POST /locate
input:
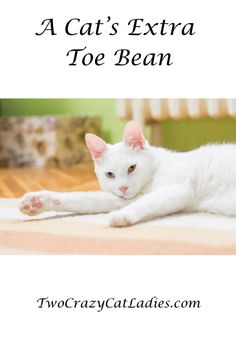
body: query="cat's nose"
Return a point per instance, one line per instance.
(123, 189)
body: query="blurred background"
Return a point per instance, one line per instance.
(50, 133)
(214, 122)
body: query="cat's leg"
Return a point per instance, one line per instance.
(79, 202)
(219, 203)
(165, 200)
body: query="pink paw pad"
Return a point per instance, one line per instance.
(56, 202)
(36, 203)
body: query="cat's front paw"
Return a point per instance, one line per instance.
(34, 203)
(122, 218)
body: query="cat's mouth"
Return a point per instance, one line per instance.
(126, 196)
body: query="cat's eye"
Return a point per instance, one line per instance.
(110, 174)
(131, 168)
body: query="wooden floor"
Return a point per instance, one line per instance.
(14, 182)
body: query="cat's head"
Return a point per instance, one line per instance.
(124, 168)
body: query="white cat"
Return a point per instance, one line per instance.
(141, 182)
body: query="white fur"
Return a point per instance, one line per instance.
(164, 182)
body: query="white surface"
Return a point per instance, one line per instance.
(26, 329)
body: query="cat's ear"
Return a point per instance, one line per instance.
(133, 135)
(96, 145)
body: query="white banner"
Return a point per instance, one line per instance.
(166, 49)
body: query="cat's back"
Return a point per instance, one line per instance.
(207, 165)
(214, 166)
(215, 153)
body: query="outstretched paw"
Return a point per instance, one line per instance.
(34, 203)
(122, 218)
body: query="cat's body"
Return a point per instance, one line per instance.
(141, 182)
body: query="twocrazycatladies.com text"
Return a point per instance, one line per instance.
(114, 303)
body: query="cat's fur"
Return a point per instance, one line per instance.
(163, 182)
